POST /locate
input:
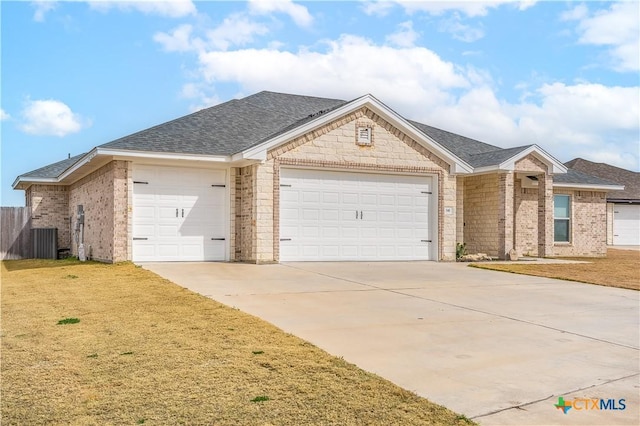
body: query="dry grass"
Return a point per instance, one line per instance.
(146, 351)
(621, 268)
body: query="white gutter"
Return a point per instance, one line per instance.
(20, 179)
(589, 186)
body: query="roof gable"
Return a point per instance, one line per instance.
(313, 122)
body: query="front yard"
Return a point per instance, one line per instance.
(621, 268)
(88, 343)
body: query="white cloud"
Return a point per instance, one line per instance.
(236, 30)
(170, 8)
(298, 13)
(406, 36)
(178, 40)
(617, 28)
(377, 7)
(41, 9)
(566, 119)
(350, 67)
(50, 117)
(468, 8)
(4, 115)
(577, 13)
(461, 31)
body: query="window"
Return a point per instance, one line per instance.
(561, 218)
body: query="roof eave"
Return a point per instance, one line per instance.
(590, 186)
(259, 152)
(24, 182)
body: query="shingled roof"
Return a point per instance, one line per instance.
(237, 125)
(53, 170)
(630, 180)
(227, 128)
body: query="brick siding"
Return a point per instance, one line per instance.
(334, 145)
(50, 209)
(481, 207)
(588, 225)
(104, 195)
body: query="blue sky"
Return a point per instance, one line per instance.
(564, 75)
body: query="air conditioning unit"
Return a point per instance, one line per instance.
(44, 243)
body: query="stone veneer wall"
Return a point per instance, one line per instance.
(334, 146)
(481, 210)
(244, 207)
(526, 219)
(460, 210)
(610, 213)
(588, 225)
(50, 209)
(104, 195)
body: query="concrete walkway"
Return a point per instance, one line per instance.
(499, 348)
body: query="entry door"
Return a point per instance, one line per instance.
(328, 215)
(178, 214)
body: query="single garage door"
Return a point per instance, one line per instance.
(328, 215)
(626, 224)
(178, 214)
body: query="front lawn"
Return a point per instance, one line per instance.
(88, 343)
(621, 268)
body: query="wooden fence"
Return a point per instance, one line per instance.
(15, 233)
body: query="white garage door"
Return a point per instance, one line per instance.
(178, 214)
(626, 224)
(327, 215)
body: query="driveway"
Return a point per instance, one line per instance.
(497, 347)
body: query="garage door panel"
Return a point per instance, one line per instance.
(369, 200)
(187, 234)
(310, 214)
(330, 197)
(310, 196)
(330, 215)
(168, 249)
(350, 199)
(310, 231)
(144, 213)
(386, 200)
(353, 216)
(626, 224)
(287, 195)
(329, 232)
(167, 213)
(166, 231)
(145, 231)
(349, 232)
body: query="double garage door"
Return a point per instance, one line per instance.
(179, 214)
(626, 224)
(328, 216)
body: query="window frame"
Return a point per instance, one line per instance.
(566, 219)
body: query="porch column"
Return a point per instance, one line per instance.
(505, 214)
(545, 215)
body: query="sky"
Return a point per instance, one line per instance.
(563, 75)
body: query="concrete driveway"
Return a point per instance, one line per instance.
(497, 347)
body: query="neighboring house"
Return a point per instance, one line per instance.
(277, 177)
(623, 207)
